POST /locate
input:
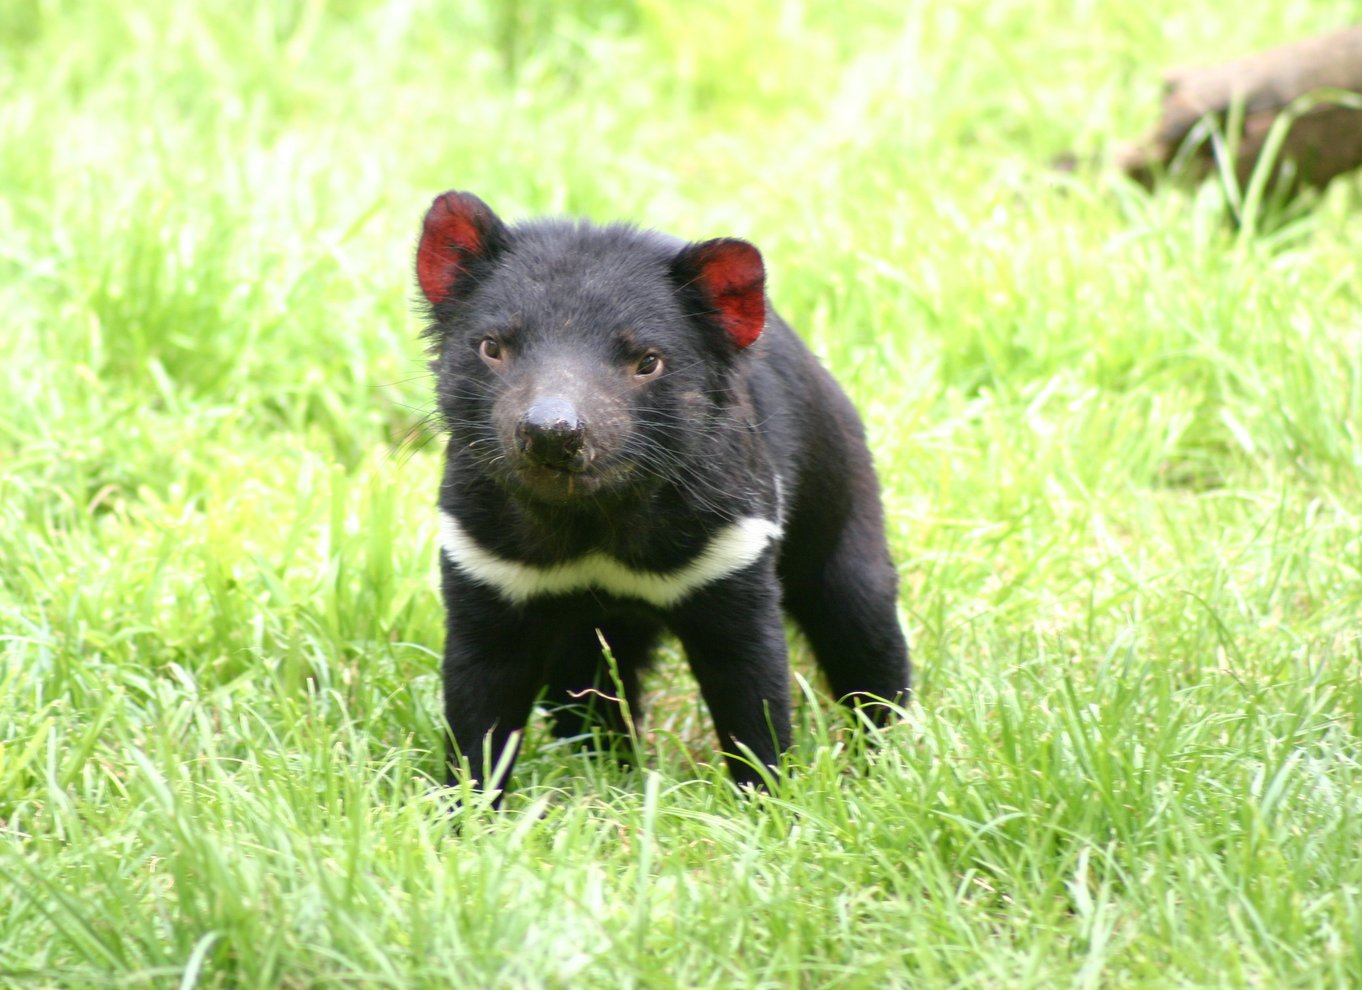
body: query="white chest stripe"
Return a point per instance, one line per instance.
(734, 547)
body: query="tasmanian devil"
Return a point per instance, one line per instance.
(638, 443)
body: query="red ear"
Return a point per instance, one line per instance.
(730, 274)
(459, 227)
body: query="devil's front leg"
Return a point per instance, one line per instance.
(734, 640)
(493, 670)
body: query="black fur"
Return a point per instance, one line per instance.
(565, 440)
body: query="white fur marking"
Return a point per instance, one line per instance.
(734, 547)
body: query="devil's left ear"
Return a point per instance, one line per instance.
(729, 274)
(459, 229)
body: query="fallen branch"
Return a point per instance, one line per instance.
(1323, 141)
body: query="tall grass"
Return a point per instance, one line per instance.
(1119, 444)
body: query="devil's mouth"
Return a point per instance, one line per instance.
(597, 477)
(553, 483)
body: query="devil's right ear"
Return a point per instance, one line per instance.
(459, 229)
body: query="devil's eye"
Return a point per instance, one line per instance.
(490, 349)
(649, 366)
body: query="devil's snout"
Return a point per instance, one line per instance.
(552, 434)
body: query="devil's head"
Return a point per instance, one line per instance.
(577, 363)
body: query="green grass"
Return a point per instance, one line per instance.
(1119, 440)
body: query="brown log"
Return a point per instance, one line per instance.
(1323, 142)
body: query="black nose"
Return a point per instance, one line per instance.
(551, 433)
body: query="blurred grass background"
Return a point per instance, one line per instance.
(1118, 440)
